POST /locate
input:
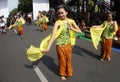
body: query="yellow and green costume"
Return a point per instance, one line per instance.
(97, 32)
(19, 22)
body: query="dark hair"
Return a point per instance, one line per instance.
(111, 14)
(63, 6)
(18, 15)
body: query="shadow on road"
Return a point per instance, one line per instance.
(33, 64)
(38, 30)
(49, 62)
(82, 52)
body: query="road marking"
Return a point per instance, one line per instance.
(39, 73)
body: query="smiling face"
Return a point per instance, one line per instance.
(62, 13)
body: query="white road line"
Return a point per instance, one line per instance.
(39, 74)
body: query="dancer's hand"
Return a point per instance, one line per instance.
(44, 51)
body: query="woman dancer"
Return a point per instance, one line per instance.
(63, 41)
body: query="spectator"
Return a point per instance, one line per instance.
(2, 25)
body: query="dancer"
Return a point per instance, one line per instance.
(19, 22)
(44, 22)
(63, 41)
(107, 30)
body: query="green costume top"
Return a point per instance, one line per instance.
(19, 22)
(64, 37)
(44, 19)
(108, 31)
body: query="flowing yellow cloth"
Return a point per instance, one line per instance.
(72, 38)
(34, 53)
(38, 22)
(97, 32)
(96, 35)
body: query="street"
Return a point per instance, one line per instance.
(15, 67)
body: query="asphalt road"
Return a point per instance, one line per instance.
(15, 67)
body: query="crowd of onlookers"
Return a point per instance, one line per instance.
(84, 20)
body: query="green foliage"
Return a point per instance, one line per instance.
(25, 6)
(13, 12)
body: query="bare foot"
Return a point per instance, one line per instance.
(109, 59)
(63, 78)
(101, 59)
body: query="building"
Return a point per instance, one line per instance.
(39, 5)
(6, 7)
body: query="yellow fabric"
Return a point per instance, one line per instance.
(72, 35)
(95, 36)
(72, 38)
(46, 20)
(97, 32)
(22, 20)
(38, 22)
(12, 26)
(34, 53)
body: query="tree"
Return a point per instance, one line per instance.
(55, 3)
(13, 12)
(25, 6)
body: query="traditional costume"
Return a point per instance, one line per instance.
(65, 39)
(19, 22)
(34, 53)
(107, 34)
(44, 25)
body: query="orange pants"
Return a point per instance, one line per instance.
(64, 59)
(44, 27)
(20, 30)
(106, 48)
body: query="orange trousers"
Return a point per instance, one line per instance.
(20, 30)
(44, 27)
(64, 59)
(106, 48)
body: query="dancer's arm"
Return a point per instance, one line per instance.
(56, 25)
(74, 27)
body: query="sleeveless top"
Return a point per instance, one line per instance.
(108, 31)
(64, 37)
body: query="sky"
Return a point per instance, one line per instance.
(13, 5)
(107, 1)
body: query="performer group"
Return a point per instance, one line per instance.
(64, 30)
